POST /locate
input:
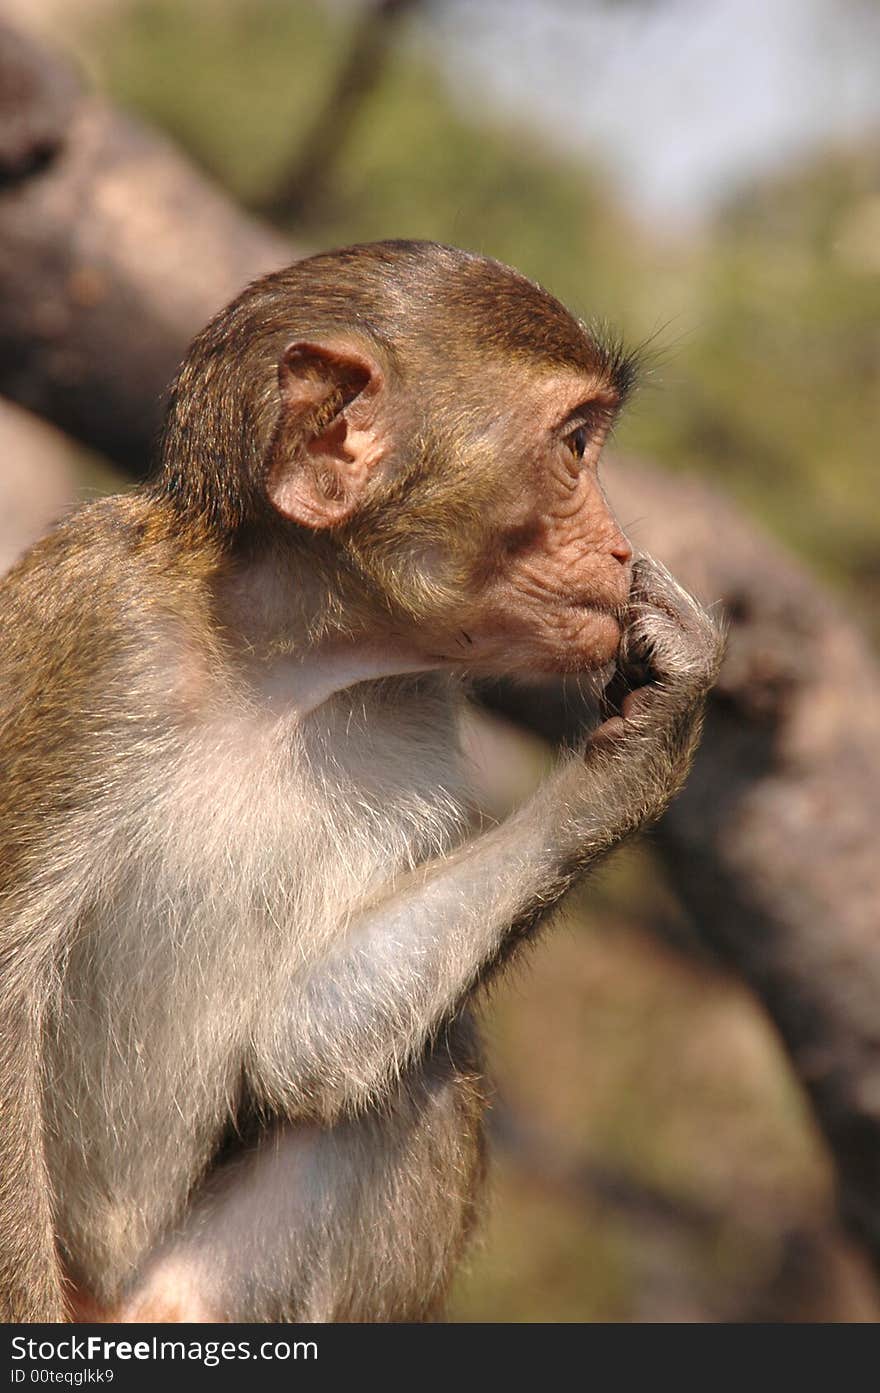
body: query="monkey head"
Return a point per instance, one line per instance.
(424, 425)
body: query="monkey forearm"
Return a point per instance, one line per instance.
(369, 1006)
(405, 965)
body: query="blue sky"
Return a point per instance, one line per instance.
(682, 99)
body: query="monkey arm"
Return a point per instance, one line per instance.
(298, 1202)
(407, 963)
(30, 1279)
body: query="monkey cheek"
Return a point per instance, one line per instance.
(520, 639)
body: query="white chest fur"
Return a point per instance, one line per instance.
(238, 861)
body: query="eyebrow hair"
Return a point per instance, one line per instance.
(592, 410)
(619, 363)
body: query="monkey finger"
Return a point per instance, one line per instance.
(608, 732)
(636, 703)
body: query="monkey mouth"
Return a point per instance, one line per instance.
(589, 603)
(589, 610)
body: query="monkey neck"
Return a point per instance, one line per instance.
(300, 683)
(298, 639)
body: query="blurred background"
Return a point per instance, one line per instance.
(705, 174)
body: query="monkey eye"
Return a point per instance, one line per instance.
(578, 441)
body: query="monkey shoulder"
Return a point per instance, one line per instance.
(95, 592)
(96, 618)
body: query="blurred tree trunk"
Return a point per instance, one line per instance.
(772, 844)
(113, 251)
(302, 190)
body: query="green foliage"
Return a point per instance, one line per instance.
(234, 83)
(783, 370)
(238, 86)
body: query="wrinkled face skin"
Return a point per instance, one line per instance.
(551, 576)
(491, 548)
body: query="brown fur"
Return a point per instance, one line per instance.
(239, 928)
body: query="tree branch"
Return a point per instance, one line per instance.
(301, 191)
(113, 251)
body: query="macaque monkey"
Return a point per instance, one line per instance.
(241, 923)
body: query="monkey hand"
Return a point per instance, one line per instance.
(669, 657)
(671, 648)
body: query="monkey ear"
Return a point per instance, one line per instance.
(321, 460)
